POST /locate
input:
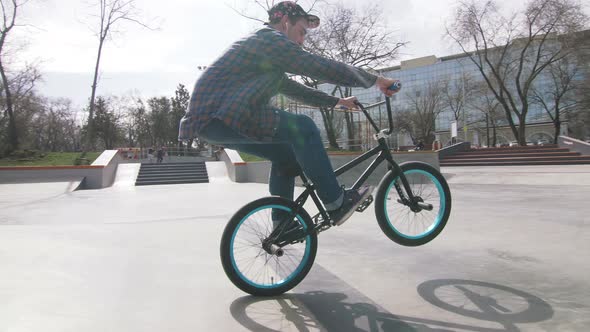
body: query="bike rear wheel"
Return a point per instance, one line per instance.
(245, 255)
(395, 217)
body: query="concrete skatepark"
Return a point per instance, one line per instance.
(513, 257)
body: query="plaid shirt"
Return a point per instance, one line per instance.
(237, 88)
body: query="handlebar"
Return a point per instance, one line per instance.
(395, 87)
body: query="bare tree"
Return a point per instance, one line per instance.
(483, 101)
(112, 14)
(10, 11)
(55, 126)
(405, 123)
(560, 95)
(511, 53)
(358, 39)
(578, 117)
(251, 9)
(456, 93)
(425, 105)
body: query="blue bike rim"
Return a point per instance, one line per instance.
(441, 210)
(293, 274)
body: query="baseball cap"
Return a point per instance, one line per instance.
(291, 9)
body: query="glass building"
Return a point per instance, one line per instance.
(421, 74)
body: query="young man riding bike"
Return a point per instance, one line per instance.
(229, 106)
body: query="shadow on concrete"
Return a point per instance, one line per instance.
(486, 301)
(325, 311)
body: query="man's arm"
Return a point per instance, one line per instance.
(306, 94)
(282, 53)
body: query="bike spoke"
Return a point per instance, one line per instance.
(402, 218)
(253, 262)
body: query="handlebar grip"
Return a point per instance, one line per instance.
(395, 86)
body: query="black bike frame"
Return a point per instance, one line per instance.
(384, 154)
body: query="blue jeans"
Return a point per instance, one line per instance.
(297, 142)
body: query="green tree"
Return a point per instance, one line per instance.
(179, 105)
(140, 125)
(159, 118)
(108, 124)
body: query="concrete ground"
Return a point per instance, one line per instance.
(513, 257)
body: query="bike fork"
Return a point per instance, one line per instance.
(415, 204)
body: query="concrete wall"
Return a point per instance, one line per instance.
(503, 134)
(100, 174)
(108, 160)
(236, 167)
(450, 150)
(574, 145)
(258, 172)
(348, 178)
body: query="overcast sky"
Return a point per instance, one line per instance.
(191, 33)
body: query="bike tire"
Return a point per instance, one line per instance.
(258, 215)
(424, 180)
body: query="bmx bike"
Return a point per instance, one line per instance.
(264, 256)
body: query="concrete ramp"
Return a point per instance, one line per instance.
(217, 171)
(126, 175)
(15, 194)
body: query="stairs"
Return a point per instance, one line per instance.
(514, 156)
(172, 173)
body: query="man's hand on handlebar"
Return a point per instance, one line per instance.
(347, 104)
(384, 84)
(388, 86)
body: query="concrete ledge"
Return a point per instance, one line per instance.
(236, 167)
(258, 172)
(574, 145)
(100, 174)
(450, 150)
(348, 178)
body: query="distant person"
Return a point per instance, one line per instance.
(151, 155)
(420, 145)
(160, 155)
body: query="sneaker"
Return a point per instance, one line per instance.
(352, 199)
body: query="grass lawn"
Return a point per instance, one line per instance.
(51, 159)
(248, 157)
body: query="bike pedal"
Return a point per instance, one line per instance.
(364, 205)
(317, 219)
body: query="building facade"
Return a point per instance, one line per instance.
(422, 75)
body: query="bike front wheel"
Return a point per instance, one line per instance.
(396, 218)
(245, 251)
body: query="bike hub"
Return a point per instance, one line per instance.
(273, 249)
